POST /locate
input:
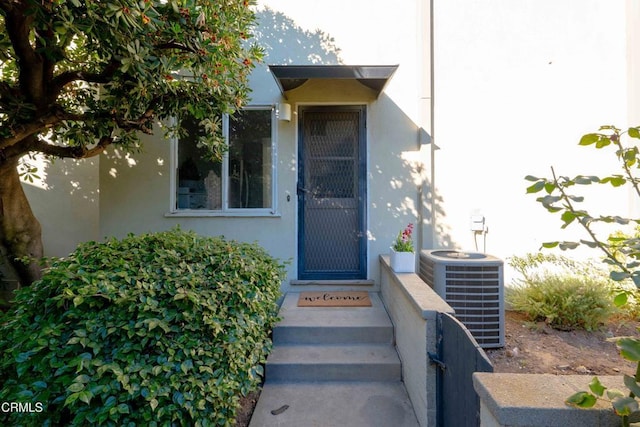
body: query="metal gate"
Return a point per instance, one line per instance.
(459, 356)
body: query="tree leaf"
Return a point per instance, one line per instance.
(636, 278)
(615, 181)
(629, 348)
(634, 132)
(536, 187)
(549, 187)
(85, 396)
(586, 180)
(71, 398)
(550, 245)
(581, 399)
(549, 200)
(152, 324)
(75, 387)
(568, 217)
(568, 245)
(596, 387)
(625, 405)
(613, 393)
(619, 276)
(41, 385)
(632, 385)
(620, 299)
(186, 366)
(589, 243)
(83, 379)
(590, 138)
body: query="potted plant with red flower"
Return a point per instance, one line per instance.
(403, 258)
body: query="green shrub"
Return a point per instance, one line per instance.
(566, 294)
(158, 329)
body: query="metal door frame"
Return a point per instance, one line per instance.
(362, 193)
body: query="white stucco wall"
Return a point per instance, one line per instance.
(517, 83)
(66, 202)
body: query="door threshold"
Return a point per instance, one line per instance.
(330, 283)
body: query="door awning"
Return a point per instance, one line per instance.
(374, 77)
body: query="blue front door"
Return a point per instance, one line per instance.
(332, 193)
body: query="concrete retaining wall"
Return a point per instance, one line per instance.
(537, 400)
(413, 307)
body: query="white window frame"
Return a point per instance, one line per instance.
(226, 210)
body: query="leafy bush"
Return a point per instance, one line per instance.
(158, 329)
(564, 293)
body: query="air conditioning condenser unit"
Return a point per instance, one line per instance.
(473, 285)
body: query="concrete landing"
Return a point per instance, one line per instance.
(333, 366)
(334, 404)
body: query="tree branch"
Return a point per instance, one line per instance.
(7, 91)
(57, 115)
(8, 6)
(33, 127)
(171, 44)
(627, 170)
(141, 124)
(46, 39)
(585, 225)
(67, 77)
(18, 26)
(71, 152)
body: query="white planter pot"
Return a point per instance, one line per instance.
(403, 262)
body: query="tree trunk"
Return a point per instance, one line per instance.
(20, 232)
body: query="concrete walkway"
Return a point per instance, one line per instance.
(334, 404)
(333, 367)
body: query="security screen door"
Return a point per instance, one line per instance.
(331, 193)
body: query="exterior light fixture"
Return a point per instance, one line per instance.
(283, 111)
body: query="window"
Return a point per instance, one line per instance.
(243, 181)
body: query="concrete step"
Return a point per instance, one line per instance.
(333, 363)
(334, 404)
(332, 325)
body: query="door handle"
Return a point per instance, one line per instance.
(300, 190)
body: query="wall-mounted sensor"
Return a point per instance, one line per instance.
(477, 222)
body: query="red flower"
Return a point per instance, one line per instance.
(403, 242)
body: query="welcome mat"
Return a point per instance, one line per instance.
(334, 299)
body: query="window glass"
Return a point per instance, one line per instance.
(199, 177)
(246, 172)
(250, 159)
